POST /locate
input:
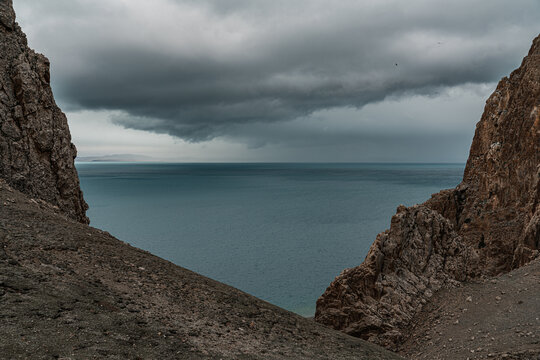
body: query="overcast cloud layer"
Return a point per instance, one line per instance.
(263, 72)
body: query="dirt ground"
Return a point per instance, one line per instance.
(69, 291)
(497, 318)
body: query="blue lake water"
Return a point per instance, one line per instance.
(281, 232)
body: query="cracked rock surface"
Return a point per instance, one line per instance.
(36, 153)
(487, 225)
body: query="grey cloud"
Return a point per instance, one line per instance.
(259, 62)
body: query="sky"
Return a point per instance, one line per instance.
(280, 80)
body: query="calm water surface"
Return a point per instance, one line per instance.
(281, 232)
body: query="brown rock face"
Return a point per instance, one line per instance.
(487, 225)
(36, 153)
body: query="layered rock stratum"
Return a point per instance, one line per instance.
(488, 225)
(36, 153)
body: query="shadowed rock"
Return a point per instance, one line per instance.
(36, 153)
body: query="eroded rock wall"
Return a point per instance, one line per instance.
(487, 225)
(36, 153)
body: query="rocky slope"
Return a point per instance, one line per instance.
(492, 318)
(71, 291)
(36, 153)
(487, 225)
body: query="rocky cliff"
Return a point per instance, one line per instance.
(489, 224)
(70, 291)
(36, 153)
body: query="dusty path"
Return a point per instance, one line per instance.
(498, 318)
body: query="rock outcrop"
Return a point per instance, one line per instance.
(487, 225)
(36, 153)
(71, 291)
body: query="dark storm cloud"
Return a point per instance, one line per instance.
(199, 69)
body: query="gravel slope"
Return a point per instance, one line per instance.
(497, 318)
(71, 291)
